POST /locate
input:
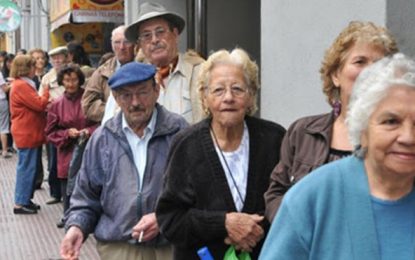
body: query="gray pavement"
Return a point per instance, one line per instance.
(31, 236)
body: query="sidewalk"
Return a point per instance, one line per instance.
(36, 236)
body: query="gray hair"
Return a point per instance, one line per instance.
(372, 85)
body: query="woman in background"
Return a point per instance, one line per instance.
(316, 140)
(66, 122)
(28, 123)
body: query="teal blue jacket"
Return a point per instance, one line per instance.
(327, 215)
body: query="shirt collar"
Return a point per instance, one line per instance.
(29, 81)
(149, 128)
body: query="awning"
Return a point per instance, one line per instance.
(89, 16)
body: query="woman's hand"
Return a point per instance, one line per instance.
(244, 230)
(73, 132)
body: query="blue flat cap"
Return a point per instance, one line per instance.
(130, 74)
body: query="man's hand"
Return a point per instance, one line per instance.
(71, 243)
(244, 230)
(148, 226)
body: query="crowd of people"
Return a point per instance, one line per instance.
(176, 164)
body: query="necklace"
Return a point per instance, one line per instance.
(227, 166)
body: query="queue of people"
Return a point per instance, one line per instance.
(178, 166)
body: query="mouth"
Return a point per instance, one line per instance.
(406, 156)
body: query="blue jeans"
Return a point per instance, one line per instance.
(25, 175)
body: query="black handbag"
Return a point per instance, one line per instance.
(75, 163)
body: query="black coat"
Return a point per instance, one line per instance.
(196, 197)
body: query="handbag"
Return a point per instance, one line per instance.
(75, 163)
(230, 254)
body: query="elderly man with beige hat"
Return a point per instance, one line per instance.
(59, 58)
(156, 32)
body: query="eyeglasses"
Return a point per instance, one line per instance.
(147, 36)
(122, 42)
(127, 97)
(236, 90)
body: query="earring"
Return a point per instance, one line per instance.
(337, 104)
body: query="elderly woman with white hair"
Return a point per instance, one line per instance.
(218, 169)
(362, 206)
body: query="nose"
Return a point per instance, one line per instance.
(228, 94)
(407, 134)
(135, 99)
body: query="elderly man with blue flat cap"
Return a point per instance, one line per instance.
(121, 175)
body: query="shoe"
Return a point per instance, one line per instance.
(11, 150)
(33, 205)
(53, 201)
(6, 155)
(24, 210)
(61, 223)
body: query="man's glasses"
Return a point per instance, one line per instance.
(122, 42)
(127, 96)
(147, 36)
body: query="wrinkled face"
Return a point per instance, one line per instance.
(390, 136)
(227, 96)
(137, 102)
(71, 83)
(40, 60)
(359, 57)
(58, 61)
(123, 49)
(158, 42)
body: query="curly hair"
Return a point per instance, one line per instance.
(68, 70)
(237, 57)
(336, 55)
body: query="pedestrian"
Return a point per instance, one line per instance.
(157, 32)
(66, 123)
(97, 90)
(28, 123)
(59, 58)
(121, 175)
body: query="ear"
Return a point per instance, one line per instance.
(335, 79)
(364, 139)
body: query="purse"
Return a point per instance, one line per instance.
(75, 163)
(230, 254)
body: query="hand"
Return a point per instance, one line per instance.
(45, 87)
(84, 132)
(148, 225)
(73, 132)
(244, 230)
(71, 243)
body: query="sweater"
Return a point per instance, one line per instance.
(28, 115)
(191, 211)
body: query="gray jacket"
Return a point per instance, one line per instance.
(106, 197)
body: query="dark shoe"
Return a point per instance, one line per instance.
(61, 223)
(11, 150)
(24, 210)
(6, 155)
(38, 186)
(53, 201)
(33, 205)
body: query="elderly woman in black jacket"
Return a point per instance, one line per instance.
(219, 168)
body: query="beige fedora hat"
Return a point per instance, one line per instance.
(149, 11)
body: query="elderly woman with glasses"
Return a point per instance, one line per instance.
(218, 169)
(362, 206)
(28, 118)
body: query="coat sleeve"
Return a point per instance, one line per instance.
(27, 96)
(280, 177)
(179, 219)
(94, 99)
(55, 134)
(85, 207)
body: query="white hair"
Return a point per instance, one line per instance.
(372, 85)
